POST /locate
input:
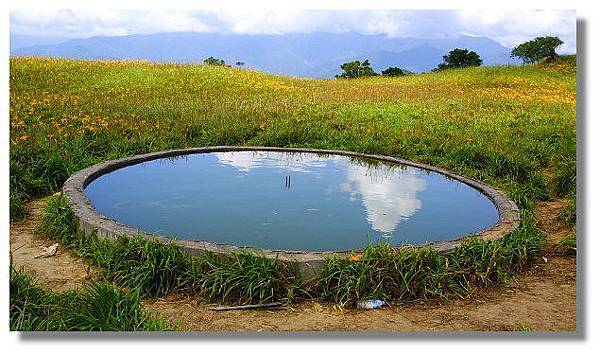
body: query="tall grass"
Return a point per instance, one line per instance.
(393, 274)
(98, 306)
(410, 273)
(245, 277)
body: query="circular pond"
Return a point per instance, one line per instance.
(289, 200)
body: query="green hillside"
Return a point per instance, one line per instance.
(511, 126)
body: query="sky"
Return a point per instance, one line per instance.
(508, 27)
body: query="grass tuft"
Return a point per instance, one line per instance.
(245, 277)
(99, 306)
(523, 327)
(134, 262)
(410, 273)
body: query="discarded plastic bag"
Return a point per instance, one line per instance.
(370, 304)
(48, 251)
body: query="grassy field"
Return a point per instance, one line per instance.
(512, 127)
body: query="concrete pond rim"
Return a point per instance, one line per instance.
(308, 262)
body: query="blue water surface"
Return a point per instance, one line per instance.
(290, 201)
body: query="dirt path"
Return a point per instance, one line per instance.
(542, 299)
(59, 272)
(549, 218)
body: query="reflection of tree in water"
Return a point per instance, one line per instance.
(377, 170)
(171, 160)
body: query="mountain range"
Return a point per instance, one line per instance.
(316, 54)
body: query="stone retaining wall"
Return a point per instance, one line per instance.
(309, 263)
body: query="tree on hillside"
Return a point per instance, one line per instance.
(460, 58)
(395, 71)
(239, 64)
(215, 61)
(537, 49)
(356, 69)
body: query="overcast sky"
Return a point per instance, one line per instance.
(509, 27)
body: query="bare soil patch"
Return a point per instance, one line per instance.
(543, 298)
(549, 217)
(60, 272)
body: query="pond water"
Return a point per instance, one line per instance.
(290, 201)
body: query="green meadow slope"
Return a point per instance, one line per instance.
(511, 126)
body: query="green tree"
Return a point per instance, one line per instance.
(356, 69)
(239, 64)
(215, 61)
(394, 71)
(460, 58)
(537, 49)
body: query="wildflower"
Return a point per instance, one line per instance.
(356, 257)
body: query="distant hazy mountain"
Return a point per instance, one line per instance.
(295, 54)
(21, 41)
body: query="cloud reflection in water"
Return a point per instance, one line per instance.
(388, 193)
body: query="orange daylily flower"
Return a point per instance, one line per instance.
(356, 257)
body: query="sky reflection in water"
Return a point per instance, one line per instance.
(332, 202)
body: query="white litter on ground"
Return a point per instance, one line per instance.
(48, 251)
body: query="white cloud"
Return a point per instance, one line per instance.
(511, 27)
(247, 160)
(388, 197)
(86, 23)
(506, 26)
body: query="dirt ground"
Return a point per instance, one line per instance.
(541, 299)
(60, 272)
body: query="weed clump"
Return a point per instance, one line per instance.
(411, 273)
(99, 306)
(568, 245)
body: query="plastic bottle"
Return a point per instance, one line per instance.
(370, 304)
